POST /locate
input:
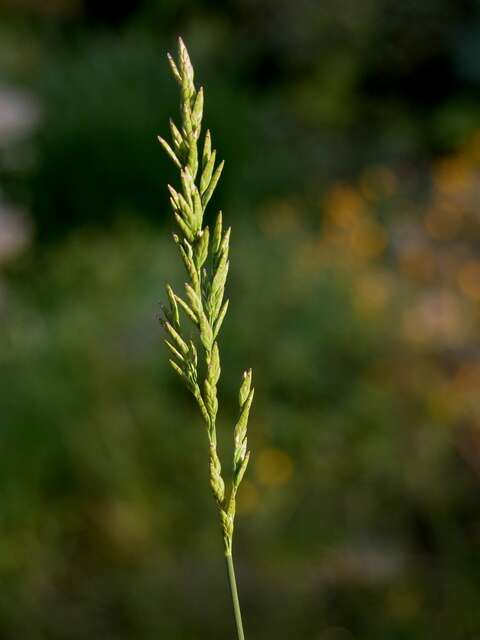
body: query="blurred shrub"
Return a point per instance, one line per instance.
(362, 487)
(301, 84)
(96, 150)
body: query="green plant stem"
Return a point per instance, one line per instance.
(204, 304)
(233, 590)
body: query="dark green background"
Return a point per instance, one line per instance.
(351, 134)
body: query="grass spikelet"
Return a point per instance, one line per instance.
(204, 292)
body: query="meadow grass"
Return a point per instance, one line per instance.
(205, 255)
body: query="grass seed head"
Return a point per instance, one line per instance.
(205, 288)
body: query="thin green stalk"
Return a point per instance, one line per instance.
(233, 590)
(205, 256)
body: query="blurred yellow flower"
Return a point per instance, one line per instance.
(247, 497)
(368, 239)
(443, 221)
(273, 467)
(417, 262)
(467, 377)
(469, 279)
(453, 175)
(372, 292)
(377, 182)
(471, 149)
(343, 205)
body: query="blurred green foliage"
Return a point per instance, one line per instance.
(98, 153)
(351, 182)
(303, 85)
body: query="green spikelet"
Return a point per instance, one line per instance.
(205, 257)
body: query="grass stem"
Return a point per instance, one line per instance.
(235, 602)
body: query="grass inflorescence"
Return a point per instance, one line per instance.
(205, 255)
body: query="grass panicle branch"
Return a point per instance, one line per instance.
(205, 256)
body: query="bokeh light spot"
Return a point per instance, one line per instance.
(274, 467)
(469, 279)
(247, 497)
